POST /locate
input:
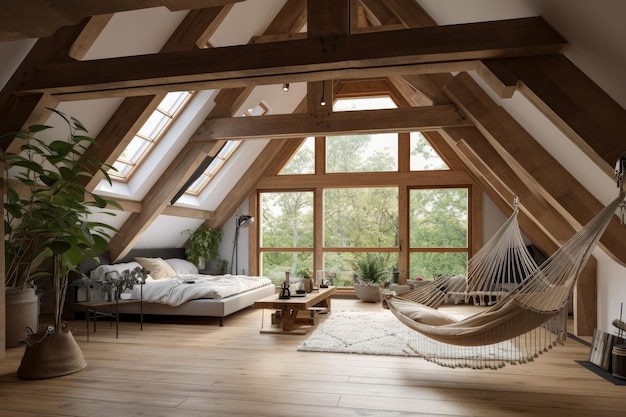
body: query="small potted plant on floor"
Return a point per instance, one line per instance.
(371, 272)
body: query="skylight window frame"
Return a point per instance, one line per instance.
(151, 142)
(214, 167)
(220, 160)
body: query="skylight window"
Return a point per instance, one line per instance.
(220, 159)
(364, 103)
(222, 156)
(149, 134)
(258, 110)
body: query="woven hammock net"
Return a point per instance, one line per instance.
(528, 315)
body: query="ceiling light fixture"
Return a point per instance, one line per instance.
(286, 87)
(323, 99)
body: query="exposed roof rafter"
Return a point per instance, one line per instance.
(308, 59)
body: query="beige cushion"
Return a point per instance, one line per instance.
(426, 315)
(157, 267)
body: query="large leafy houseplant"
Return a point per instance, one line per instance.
(47, 229)
(203, 244)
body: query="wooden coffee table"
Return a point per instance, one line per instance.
(287, 310)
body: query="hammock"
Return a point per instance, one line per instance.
(526, 321)
(495, 270)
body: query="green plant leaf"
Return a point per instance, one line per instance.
(38, 128)
(58, 246)
(62, 148)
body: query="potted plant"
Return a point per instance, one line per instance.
(203, 245)
(307, 280)
(371, 272)
(128, 279)
(48, 233)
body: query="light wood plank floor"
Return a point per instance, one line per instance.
(199, 369)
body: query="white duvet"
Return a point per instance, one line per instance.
(178, 290)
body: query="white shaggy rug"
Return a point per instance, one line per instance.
(371, 333)
(381, 333)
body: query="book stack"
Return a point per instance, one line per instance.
(602, 348)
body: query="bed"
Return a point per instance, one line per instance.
(175, 287)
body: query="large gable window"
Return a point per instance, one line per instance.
(388, 194)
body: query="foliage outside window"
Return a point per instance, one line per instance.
(361, 217)
(303, 161)
(438, 223)
(362, 153)
(357, 221)
(286, 233)
(423, 156)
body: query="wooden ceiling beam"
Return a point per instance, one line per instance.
(19, 112)
(570, 99)
(88, 35)
(42, 18)
(430, 85)
(122, 126)
(327, 17)
(158, 198)
(281, 149)
(538, 169)
(378, 13)
(269, 162)
(501, 183)
(290, 19)
(331, 123)
(411, 14)
(366, 179)
(297, 60)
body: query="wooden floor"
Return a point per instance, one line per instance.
(199, 369)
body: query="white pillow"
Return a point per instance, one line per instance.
(182, 266)
(100, 272)
(156, 267)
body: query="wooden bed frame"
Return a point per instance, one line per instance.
(202, 307)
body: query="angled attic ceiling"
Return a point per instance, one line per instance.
(447, 79)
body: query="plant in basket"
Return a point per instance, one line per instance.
(48, 231)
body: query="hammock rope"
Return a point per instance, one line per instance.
(529, 316)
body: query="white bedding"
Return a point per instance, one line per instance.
(178, 290)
